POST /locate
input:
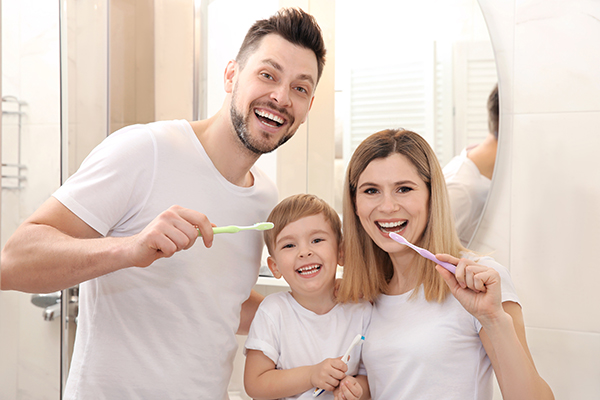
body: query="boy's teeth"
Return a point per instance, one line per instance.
(309, 269)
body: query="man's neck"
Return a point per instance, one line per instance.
(231, 160)
(484, 156)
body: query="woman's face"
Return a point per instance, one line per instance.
(391, 197)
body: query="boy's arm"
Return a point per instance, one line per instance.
(263, 381)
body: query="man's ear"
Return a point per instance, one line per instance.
(231, 71)
(273, 267)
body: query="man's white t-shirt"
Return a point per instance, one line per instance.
(166, 331)
(468, 191)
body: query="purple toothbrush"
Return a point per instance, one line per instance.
(425, 253)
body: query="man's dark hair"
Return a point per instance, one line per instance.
(493, 108)
(292, 24)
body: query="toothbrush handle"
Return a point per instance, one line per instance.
(223, 229)
(226, 229)
(427, 254)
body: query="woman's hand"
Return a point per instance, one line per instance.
(476, 287)
(349, 389)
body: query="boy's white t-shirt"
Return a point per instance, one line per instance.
(166, 331)
(428, 350)
(292, 336)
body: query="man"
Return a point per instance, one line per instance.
(469, 175)
(166, 329)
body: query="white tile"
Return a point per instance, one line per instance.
(40, 62)
(555, 219)
(556, 56)
(568, 361)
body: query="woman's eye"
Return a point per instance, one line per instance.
(370, 191)
(404, 189)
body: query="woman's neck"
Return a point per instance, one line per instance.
(405, 275)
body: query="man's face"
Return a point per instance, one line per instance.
(272, 94)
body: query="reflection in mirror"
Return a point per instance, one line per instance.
(429, 72)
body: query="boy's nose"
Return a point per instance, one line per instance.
(305, 253)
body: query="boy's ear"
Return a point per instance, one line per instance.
(273, 267)
(340, 260)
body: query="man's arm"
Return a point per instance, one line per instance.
(54, 249)
(249, 308)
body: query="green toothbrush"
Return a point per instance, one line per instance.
(259, 226)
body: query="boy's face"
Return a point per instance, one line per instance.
(306, 254)
(272, 94)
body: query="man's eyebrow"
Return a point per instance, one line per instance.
(278, 67)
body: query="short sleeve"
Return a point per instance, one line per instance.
(264, 334)
(113, 181)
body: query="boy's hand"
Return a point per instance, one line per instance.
(328, 373)
(349, 389)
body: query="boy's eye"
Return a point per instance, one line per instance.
(287, 246)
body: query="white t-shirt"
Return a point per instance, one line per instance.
(428, 350)
(166, 331)
(468, 191)
(292, 336)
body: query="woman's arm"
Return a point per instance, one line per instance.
(263, 381)
(478, 289)
(506, 345)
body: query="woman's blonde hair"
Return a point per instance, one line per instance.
(368, 269)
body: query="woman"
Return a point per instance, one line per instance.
(433, 335)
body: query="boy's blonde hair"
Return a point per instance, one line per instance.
(298, 206)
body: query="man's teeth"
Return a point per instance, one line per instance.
(270, 116)
(309, 269)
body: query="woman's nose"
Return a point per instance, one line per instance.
(389, 204)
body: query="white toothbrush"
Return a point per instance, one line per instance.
(259, 226)
(359, 338)
(425, 253)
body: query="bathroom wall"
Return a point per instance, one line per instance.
(29, 351)
(544, 218)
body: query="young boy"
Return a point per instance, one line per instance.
(297, 338)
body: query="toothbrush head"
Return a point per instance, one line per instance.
(264, 226)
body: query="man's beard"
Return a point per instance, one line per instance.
(240, 125)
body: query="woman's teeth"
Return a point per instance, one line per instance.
(392, 226)
(309, 269)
